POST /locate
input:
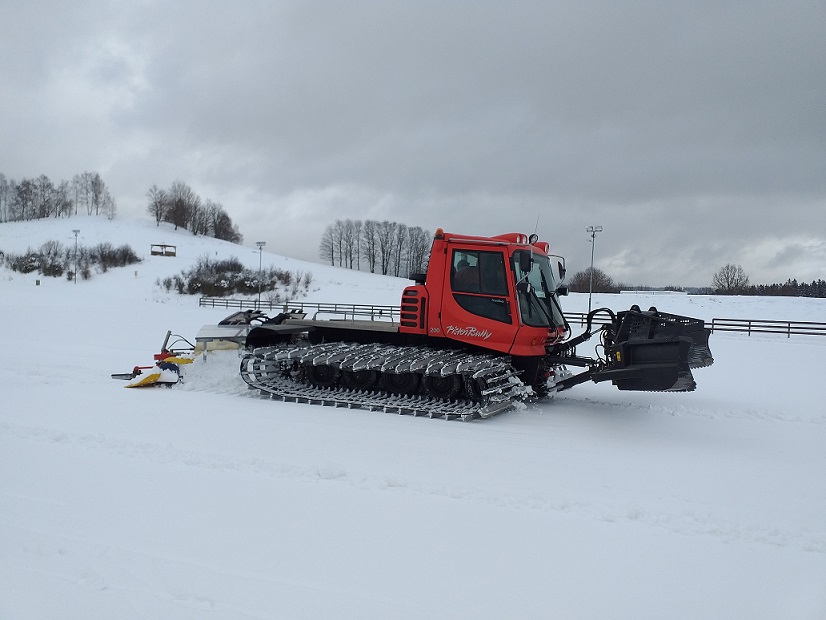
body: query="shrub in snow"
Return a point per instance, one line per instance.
(53, 259)
(219, 278)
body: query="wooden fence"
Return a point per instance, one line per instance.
(753, 326)
(391, 313)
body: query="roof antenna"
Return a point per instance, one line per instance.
(535, 228)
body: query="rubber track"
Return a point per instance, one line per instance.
(263, 370)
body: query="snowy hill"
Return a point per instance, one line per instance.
(204, 501)
(141, 234)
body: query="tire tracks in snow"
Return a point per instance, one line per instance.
(686, 522)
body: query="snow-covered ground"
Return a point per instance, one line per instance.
(204, 501)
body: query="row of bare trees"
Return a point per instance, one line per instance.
(38, 198)
(182, 207)
(389, 248)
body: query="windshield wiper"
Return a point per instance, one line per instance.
(527, 287)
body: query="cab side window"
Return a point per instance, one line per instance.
(479, 283)
(465, 273)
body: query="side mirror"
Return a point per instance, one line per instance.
(525, 262)
(524, 286)
(562, 270)
(561, 290)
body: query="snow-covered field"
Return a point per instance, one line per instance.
(204, 501)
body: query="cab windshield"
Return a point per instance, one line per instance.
(537, 304)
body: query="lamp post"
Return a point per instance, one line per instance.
(593, 230)
(260, 245)
(77, 232)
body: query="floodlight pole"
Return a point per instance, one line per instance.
(260, 245)
(77, 232)
(593, 230)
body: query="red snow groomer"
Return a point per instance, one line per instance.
(482, 329)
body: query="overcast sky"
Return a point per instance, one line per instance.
(693, 132)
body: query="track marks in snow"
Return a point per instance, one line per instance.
(688, 522)
(104, 569)
(745, 413)
(180, 587)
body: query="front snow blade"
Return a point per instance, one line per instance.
(655, 351)
(650, 366)
(661, 324)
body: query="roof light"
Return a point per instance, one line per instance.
(440, 234)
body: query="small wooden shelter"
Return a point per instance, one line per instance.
(162, 249)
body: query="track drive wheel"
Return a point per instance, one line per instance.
(359, 379)
(404, 383)
(443, 387)
(322, 376)
(474, 388)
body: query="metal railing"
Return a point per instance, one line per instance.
(391, 313)
(342, 311)
(581, 318)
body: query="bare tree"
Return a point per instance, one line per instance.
(158, 203)
(602, 282)
(181, 202)
(332, 243)
(108, 204)
(86, 190)
(730, 280)
(357, 225)
(399, 249)
(349, 242)
(197, 221)
(63, 200)
(369, 234)
(211, 209)
(419, 242)
(22, 206)
(4, 198)
(98, 193)
(222, 225)
(386, 239)
(43, 197)
(338, 241)
(80, 189)
(351, 238)
(326, 249)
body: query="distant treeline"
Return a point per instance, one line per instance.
(729, 280)
(817, 288)
(387, 247)
(183, 208)
(39, 198)
(733, 280)
(31, 199)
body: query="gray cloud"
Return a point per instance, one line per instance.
(693, 133)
